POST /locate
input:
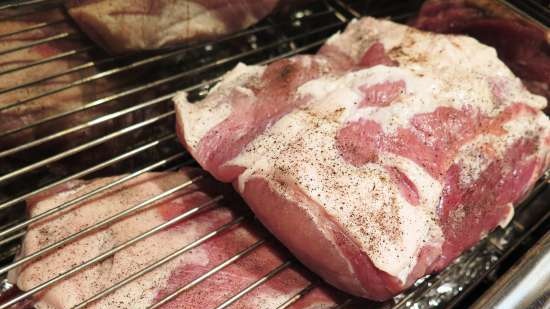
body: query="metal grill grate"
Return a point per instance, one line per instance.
(145, 142)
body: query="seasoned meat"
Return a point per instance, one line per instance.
(122, 26)
(393, 149)
(165, 279)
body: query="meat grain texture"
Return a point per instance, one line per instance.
(393, 149)
(158, 283)
(123, 26)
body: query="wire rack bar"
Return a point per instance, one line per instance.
(87, 125)
(84, 146)
(77, 68)
(151, 85)
(151, 60)
(33, 27)
(11, 238)
(348, 8)
(254, 285)
(206, 275)
(103, 188)
(49, 59)
(100, 224)
(112, 251)
(160, 262)
(162, 81)
(89, 105)
(18, 4)
(90, 170)
(297, 296)
(52, 38)
(94, 192)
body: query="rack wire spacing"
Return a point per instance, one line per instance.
(303, 30)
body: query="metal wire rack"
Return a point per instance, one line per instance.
(114, 134)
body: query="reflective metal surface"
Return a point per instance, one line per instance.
(525, 285)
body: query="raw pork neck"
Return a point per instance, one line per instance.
(381, 158)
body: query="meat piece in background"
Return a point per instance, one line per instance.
(393, 149)
(124, 26)
(30, 95)
(523, 46)
(23, 84)
(160, 282)
(24, 114)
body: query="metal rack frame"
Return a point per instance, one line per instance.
(13, 231)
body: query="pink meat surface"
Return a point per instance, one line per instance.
(123, 26)
(404, 150)
(160, 282)
(250, 99)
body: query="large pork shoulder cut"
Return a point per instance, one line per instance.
(158, 283)
(379, 159)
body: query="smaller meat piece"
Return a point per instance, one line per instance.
(23, 114)
(251, 98)
(160, 282)
(522, 46)
(123, 26)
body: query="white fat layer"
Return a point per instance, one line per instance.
(429, 188)
(476, 155)
(202, 117)
(202, 122)
(238, 76)
(439, 70)
(508, 218)
(538, 125)
(196, 20)
(299, 149)
(140, 293)
(193, 19)
(466, 68)
(364, 201)
(424, 94)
